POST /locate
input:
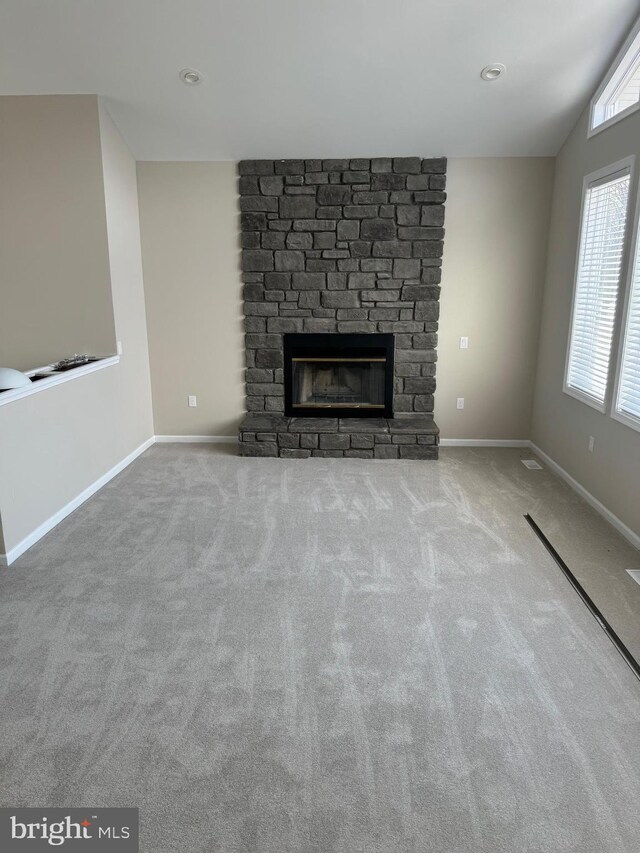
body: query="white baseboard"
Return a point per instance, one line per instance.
(56, 518)
(599, 507)
(484, 442)
(196, 439)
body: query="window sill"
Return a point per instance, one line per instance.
(43, 384)
(583, 398)
(593, 131)
(627, 420)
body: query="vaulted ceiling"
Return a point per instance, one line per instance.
(291, 78)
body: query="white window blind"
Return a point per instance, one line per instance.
(597, 284)
(628, 402)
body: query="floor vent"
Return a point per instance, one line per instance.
(635, 574)
(531, 464)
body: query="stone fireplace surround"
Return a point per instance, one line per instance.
(350, 245)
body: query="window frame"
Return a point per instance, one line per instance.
(620, 330)
(609, 171)
(612, 80)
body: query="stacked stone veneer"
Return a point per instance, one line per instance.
(409, 436)
(342, 246)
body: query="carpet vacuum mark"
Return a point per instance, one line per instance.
(273, 656)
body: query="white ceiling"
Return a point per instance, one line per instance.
(312, 78)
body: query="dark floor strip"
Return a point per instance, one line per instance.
(586, 598)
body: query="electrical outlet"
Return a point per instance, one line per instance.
(591, 444)
(464, 343)
(119, 347)
(460, 403)
(193, 402)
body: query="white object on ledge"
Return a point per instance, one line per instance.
(10, 378)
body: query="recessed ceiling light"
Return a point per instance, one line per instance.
(190, 76)
(492, 72)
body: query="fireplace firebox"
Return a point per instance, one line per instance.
(338, 375)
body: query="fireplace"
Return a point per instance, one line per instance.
(338, 375)
(341, 267)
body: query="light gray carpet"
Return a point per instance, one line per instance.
(337, 656)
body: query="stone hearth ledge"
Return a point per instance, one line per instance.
(407, 436)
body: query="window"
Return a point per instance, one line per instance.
(627, 406)
(619, 93)
(602, 239)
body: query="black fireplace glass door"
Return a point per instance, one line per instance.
(338, 375)
(330, 382)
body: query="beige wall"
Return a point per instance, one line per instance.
(55, 444)
(190, 245)
(497, 221)
(55, 295)
(134, 414)
(497, 217)
(561, 425)
(58, 442)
